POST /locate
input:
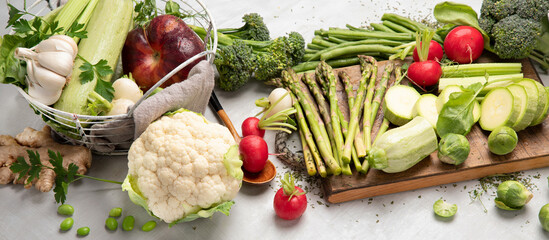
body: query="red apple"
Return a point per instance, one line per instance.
(152, 51)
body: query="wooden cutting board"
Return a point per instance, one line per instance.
(531, 152)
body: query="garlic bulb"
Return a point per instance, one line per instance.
(49, 64)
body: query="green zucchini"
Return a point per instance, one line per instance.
(401, 148)
(107, 30)
(427, 108)
(520, 96)
(532, 100)
(398, 105)
(542, 104)
(545, 110)
(498, 109)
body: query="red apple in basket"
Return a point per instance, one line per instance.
(152, 51)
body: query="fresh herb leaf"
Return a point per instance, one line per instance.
(77, 30)
(105, 89)
(456, 115)
(102, 68)
(15, 14)
(172, 8)
(146, 10)
(87, 72)
(20, 166)
(23, 26)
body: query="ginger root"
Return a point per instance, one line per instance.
(11, 148)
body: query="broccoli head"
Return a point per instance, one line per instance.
(486, 22)
(515, 37)
(535, 10)
(235, 65)
(500, 9)
(254, 29)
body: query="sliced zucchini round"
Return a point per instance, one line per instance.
(427, 108)
(545, 110)
(542, 104)
(497, 108)
(520, 96)
(476, 111)
(398, 105)
(444, 96)
(532, 94)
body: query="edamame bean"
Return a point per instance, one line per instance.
(111, 224)
(128, 222)
(65, 209)
(115, 212)
(148, 226)
(66, 224)
(83, 231)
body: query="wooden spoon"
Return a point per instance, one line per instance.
(269, 171)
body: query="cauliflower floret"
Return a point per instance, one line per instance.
(178, 167)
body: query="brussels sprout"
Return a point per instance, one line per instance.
(502, 140)
(444, 209)
(453, 149)
(544, 217)
(512, 195)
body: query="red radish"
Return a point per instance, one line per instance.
(464, 44)
(424, 73)
(435, 52)
(254, 153)
(290, 201)
(250, 126)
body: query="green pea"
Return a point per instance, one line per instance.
(148, 226)
(66, 224)
(65, 209)
(128, 222)
(83, 231)
(115, 212)
(111, 224)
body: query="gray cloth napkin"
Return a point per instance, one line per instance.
(192, 94)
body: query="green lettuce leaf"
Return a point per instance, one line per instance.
(12, 70)
(233, 163)
(456, 115)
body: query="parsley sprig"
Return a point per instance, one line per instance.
(63, 177)
(101, 69)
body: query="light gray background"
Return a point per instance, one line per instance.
(30, 214)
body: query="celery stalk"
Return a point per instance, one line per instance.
(70, 13)
(498, 80)
(84, 18)
(480, 69)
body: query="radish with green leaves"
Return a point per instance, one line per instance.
(435, 52)
(424, 73)
(278, 107)
(290, 201)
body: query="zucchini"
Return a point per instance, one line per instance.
(542, 103)
(532, 100)
(427, 108)
(520, 95)
(398, 105)
(403, 147)
(107, 30)
(498, 109)
(476, 111)
(444, 96)
(545, 110)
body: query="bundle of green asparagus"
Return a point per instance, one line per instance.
(334, 141)
(393, 38)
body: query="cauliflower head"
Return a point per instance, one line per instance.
(183, 168)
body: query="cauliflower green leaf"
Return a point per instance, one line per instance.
(233, 163)
(223, 207)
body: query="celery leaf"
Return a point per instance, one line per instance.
(105, 89)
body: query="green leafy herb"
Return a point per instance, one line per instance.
(63, 177)
(105, 89)
(77, 30)
(101, 69)
(145, 10)
(456, 115)
(15, 14)
(12, 70)
(173, 8)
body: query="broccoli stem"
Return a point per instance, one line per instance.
(380, 91)
(358, 49)
(381, 27)
(315, 122)
(355, 110)
(542, 60)
(480, 69)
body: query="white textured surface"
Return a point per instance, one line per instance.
(29, 214)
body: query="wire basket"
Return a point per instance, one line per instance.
(78, 129)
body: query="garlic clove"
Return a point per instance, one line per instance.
(44, 96)
(48, 79)
(24, 53)
(58, 62)
(68, 40)
(54, 45)
(30, 72)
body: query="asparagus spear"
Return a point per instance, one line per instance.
(385, 123)
(332, 96)
(367, 123)
(315, 122)
(308, 142)
(355, 110)
(380, 91)
(307, 155)
(358, 142)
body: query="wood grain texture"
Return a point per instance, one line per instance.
(531, 152)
